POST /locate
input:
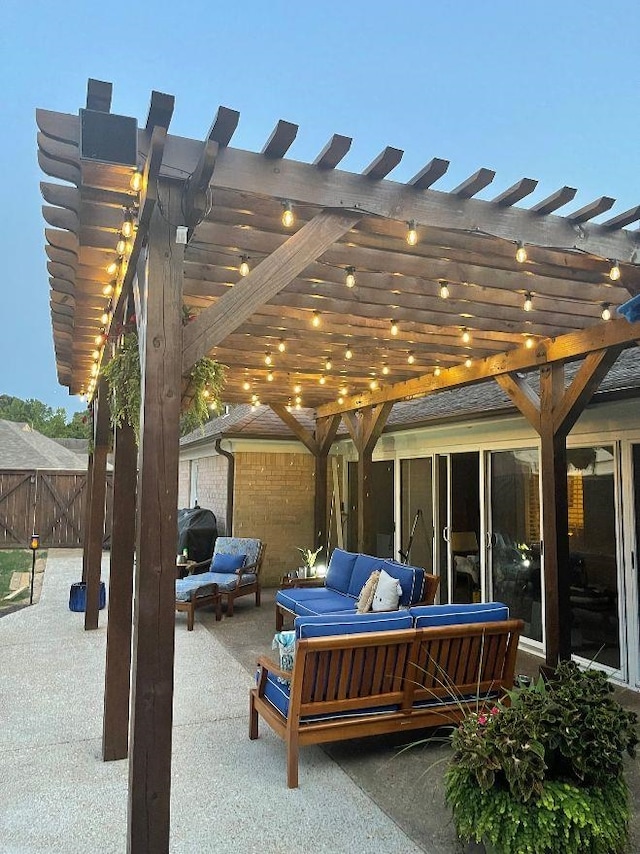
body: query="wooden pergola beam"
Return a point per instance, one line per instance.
(476, 182)
(333, 152)
(263, 282)
(429, 174)
(556, 200)
(281, 140)
(97, 505)
(381, 165)
(515, 193)
(523, 396)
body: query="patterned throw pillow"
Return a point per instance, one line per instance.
(365, 600)
(388, 592)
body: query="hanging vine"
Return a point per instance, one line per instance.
(122, 374)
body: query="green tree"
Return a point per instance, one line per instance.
(44, 419)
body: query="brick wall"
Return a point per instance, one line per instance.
(184, 477)
(274, 494)
(211, 489)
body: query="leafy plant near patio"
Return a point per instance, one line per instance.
(122, 374)
(545, 773)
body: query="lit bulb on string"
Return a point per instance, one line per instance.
(269, 376)
(528, 343)
(394, 327)
(136, 182)
(373, 385)
(412, 234)
(411, 358)
(267, 358)
(96, 355)
(104, 319)
(127, 228)
(322, 380)
(282, 346)
(444, 290)
(289, 407)
(348, 353)
(385, 370)
(466, 336)
(528, 302)
(344, 390)
(350, 278)
(521, 253)
(297, 388)
(436, 372)
(112, 269)
(287, 214)
(107, 290)
(340, 400)
(614, 272)
(328, 365)
(315, 319)
(244, 268)
(468, 363)
(120, 246)
(298, 401)
(606, 311)
(246, 385)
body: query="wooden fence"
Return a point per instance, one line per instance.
(49, 503)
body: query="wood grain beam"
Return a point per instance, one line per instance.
(476, 182)
(99, 95)
(333, 152)
(524, 397)
(623, 219)
(556, 200)
(582, 388)
(97, 504)
(381, 165)
(160, 111)
(299, 430)
(281, 140)
(224, 126)
(263, 282)
(429, 174)
(604, 203)
(515, 193)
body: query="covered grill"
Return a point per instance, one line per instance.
(197, 532)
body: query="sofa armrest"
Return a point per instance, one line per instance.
(267, 665)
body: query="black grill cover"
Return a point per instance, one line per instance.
(197, 532)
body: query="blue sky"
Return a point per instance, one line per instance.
(546, 90)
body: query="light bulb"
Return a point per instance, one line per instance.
(466, 336)
(254, 397)
(96, 355)
(468, 363)
(412, 234)
(322, 380)
(606, 311)
(297, 389)
(328, 365)
(436, 372)
(298, 400)
(246, 385)
(444, 290)
(289, 407)
(112, 269)
(344, 390)
(127, 228)
(373, 385)
(528, 302)
(385, 369)
(287, 214)
(348, 353)
(267, 358)
(341, 400)
(244, 268)
(206, 392)
(104, 319)
(136, 182)
(614, 272)
(315, 320)
(528, 343)
(411, 358)
(394, 327)
(350, 279)
(270, 376)
(99, 339)
(107, 290)
(120, 246)
(298, 405)
(521, 253)
(282, 346)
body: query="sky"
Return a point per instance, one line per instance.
(545, 90)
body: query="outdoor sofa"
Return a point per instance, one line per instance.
(347, 574)
(356, 675)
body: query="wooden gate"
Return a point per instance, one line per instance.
(49, 503)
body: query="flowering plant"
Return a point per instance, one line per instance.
(310, 556)
(542, 772)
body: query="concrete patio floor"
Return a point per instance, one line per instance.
(228, 794)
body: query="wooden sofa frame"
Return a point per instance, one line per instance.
(359, 673)
(240, 589)
(431, 583)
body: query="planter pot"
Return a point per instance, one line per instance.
(78, 596)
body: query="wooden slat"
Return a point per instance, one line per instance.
(623, 219)
(281, 140)
(554, 201)
(429, 174)
(333, 152)
(380, 167)
(99, 95)
(472, 185)
(604, 203)
(160, 111)
(514, 194)
(224, 126)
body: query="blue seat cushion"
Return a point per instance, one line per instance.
(339, 570)
(351, 623)
(227, 562)
(453, 615)
(325, 602)
(362, 569)
(411, 578)
(200, 583)
(289, 598)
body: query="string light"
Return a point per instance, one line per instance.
(246, 385)
(282, 346)
(297, 389)
(348, 353)
(136, 182)
(298, 401)
(521, 253)
(412, 234)
(328, 365)
(614, 272)
(468, 363)
(394, 327)
(127, 227)
(244, 268)
(107, 290)
(112, 269)
(287, 214)
(528, 301)
(344, 390)
(528, 343)
(120, 246)
(410, 357)
(350, 278)
(299, 404)
(99, 339)
(289, 407)
(444, 290)
(373, 385)
(341, 400)
(94, 369)
(322, 380)
(315, 320)
(436, 371)
(104, 319)
(267, 358)
(606, 311)
(466, 336)
(269, 376)
(128, 248)
(385, 369)
(96, 355)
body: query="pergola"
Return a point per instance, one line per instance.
(376, 292)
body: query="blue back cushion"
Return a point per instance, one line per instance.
(351, 624)
(339, 570)
(362, 569)
(453, 615)
(227, 563)
(411, 580)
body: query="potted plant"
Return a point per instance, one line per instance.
(542, 773)
(309, 557)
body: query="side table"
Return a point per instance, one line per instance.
(291, 580)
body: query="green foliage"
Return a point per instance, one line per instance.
(206, 383)
(50, 422)
(309, 556)
(551, 747)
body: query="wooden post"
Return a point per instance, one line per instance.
(154, 622)
(115, 725)
(87, 512)
(320, 501)
(98, 497)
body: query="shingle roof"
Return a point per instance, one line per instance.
(485, 398)
(22, 447)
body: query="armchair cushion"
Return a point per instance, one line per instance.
(247, 546)
(201, 584)
(324, 602)
(222, 562)
(230, 581)
(339, 571)
(411, 578)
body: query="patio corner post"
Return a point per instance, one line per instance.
(154, 618)
(86, 515)
(325, 433)
(95, 534)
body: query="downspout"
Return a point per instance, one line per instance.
(231, 467)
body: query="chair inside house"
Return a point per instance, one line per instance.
(233, 571)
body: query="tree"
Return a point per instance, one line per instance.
(44, 419)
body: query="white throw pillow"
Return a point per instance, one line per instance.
(387, 593)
